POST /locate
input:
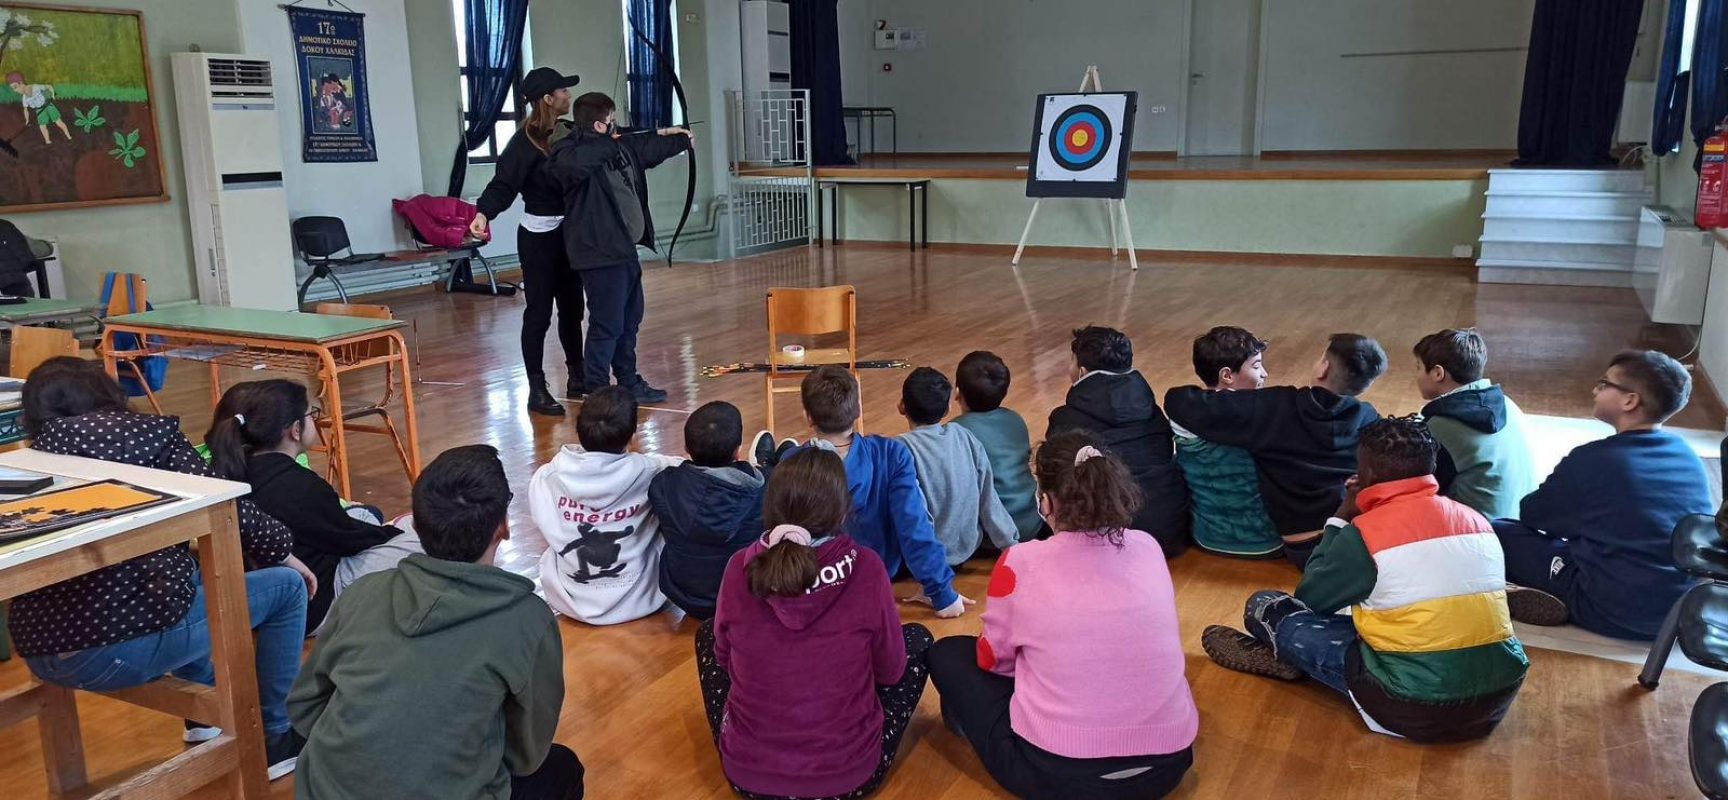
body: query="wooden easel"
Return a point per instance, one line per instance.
(1112, 208)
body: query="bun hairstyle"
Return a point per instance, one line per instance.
(252, 417)
(806, 500)
(1093, 491)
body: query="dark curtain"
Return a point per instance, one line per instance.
(816, 66)
(1574, 80)
(494, 59)
(1709, 90)
(650, 81)
(1672, 85)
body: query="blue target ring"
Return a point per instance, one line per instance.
(1080, 137)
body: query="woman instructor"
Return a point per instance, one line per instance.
(546, 274)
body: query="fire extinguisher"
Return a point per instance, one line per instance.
(1713, 181)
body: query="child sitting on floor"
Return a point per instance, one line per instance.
(443, 677)
(601, 563)
(953, 471)
(262, 428)
(1428, 651)
(1229, 516)
(1595, 541)
(1302, 438)
(1485, 460)
(1111, 399)
(981, 383)
(709, 508)
(1076, 689)
(889, 512)
(808, 676)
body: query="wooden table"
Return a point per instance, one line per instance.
(321, 345)
(206, 516)
(39, 310)
(916, 188)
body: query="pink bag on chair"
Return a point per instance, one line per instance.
(439, 221)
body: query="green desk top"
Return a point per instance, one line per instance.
(36, 308)
(289, 326)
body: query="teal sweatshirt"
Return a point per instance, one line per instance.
(1009, 446)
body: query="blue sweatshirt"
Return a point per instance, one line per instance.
(891, 517)
(1617, 501)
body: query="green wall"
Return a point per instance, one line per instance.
(153, 239)
(1420, 219)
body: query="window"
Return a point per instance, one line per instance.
(643, 62)
(512, 115)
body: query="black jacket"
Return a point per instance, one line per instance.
(1482, 410)
(324, 534)
(1122, 411)
(521, 170)
(594, 232)
(705, 515)
(1303, 440)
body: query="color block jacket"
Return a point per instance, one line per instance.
(1424, 575)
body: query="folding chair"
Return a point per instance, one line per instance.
(810, 312)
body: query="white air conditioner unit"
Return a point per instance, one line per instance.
(230, 143)
(1671, 267)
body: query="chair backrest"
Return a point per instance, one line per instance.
(131, 294)
(358, 352)
(812, 312)
(32, 345)
(320, 237)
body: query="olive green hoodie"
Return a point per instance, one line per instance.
(433, 679)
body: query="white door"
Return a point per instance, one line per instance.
(1223, 61)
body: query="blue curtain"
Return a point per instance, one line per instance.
(494, 59)
(1672, 85)
(650, 80)
(1709, 46)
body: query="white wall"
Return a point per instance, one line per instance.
(358, 193)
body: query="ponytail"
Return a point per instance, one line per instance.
(251, 418)
(806, 500)
(1092, 489)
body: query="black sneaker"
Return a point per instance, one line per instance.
(1535, 607)
(282, 752)
(647, 394)
(541, 401)
(199, 733)
(1233, 649)
(762, 452)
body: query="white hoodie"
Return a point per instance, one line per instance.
(602, 559)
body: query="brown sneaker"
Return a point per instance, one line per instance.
(1233, 649)
(1535, 607)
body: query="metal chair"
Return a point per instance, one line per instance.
(810, 312)
(1699, 621)
(320, 240)
(381, 407)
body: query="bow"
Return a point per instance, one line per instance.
(684, 109)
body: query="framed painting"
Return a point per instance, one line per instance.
(77, 120)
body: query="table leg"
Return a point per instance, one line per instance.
(338, 430)
(231, 651)
(411, 420)
(62, 743)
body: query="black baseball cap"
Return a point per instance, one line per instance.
(542, 81)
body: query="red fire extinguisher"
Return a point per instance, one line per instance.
(1713, 181)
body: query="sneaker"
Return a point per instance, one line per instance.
(541, 401)
(762, 452)
(647, 394)
(1233, 649)
(1535, 607)
(198, 732)
(282, 752)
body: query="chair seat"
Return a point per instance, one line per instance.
(1708, 742)
(1703, 633)
(815, 357)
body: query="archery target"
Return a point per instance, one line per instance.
(1082, 139)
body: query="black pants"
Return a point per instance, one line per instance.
(899, 701)
(615, 308)
(975, 706)
(548, 280)
(558, 778)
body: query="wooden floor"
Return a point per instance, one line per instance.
(1581, 728)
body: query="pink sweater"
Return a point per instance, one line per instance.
(1088, 632)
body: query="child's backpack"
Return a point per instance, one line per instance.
(149, 371)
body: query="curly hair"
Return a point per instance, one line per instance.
(1395, 448)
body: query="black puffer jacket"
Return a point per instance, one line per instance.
(1121, 410)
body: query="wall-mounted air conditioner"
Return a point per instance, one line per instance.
(232, 150)
(1671, 267)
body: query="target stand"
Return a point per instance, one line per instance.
(1081, 147)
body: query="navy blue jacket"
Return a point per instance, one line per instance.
(1617, 501)
(705, 515)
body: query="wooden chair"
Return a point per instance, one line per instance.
(380, 408)
(33, 345)
(809, 312)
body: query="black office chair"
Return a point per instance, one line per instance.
(320, 240)
(1707, 742)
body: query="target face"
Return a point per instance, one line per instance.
(1081, 137)
(1082, 146)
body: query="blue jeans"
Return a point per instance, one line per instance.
(276, 597)
(1318, 645)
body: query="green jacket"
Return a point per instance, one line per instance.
(434, 679)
